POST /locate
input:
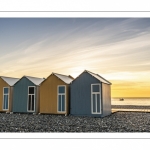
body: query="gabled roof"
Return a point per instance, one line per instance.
(97, 76)
(9, 80)
(65, 78)
(35, 80)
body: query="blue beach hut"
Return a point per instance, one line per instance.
(26, 95)
(90, 95)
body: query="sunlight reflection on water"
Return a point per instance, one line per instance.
(130, 101)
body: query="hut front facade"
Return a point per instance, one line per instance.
(90, 95)
(54, 94)
(6, 93)
(26, 95)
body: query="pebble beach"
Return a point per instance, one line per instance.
(116, 122)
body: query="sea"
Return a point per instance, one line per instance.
(140, 101)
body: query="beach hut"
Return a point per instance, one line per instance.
(90, 95)
(6, 93)
(54, 94)
(26, 95)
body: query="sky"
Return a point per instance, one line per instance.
(118, 49)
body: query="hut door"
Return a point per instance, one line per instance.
(95, 99)
(31, 99)
(5, 98)
(61, 99)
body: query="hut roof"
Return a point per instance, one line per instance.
(9, 80)
(65, 78)
(97, 76)
(35, 80)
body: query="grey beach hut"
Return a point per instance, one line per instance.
(90, 95)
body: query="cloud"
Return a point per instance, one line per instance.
(117, 49)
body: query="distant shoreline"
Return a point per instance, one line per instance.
(130, 106)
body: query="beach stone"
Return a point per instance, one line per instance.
(116, 122)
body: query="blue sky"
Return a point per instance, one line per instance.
(116, 48)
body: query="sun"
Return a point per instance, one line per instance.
(76, 71)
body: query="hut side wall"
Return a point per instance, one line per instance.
(4, 84)
(68, 100)
(37, 99)
(48, 95)
(20, 95)
(11, 98)
(106, 96)
(80, 101)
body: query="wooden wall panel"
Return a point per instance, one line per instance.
(106, 96)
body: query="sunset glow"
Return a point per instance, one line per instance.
(117, 49)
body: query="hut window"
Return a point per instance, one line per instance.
(61, 98)
(31, 98)
(5, 98)
(96, 98)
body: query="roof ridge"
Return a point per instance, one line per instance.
(71, 77)
(10, 80)
(98, 75)
(60, 74)
(61, 77)
(103, 78)
(9, 77)
(91, 72)
(79, 75)
(28, 77)
(32, 77)
(92, 75)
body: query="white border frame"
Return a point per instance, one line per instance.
(3, 98)
(58, 98)
(98, 14)
(28, 99)
(96, 98)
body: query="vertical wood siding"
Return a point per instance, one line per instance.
(106, 96)
(37, 106)
(11, 98)
(20, 95)
(48, 95)
(80, 100)
(4, 84)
